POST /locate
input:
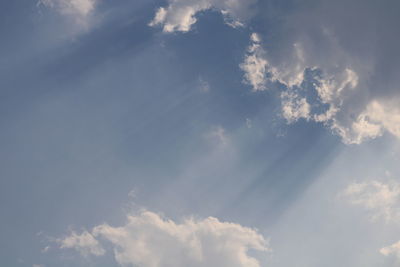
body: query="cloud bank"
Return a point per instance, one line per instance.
(149, 240)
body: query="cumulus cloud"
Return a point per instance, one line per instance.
(381, 200)
(180, 15)
(149, 240)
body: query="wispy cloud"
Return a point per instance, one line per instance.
(85, 243)
(381, 200)
(77, 10)
(180, 15)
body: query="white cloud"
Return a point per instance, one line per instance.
(337, 91)
(255, 66)
(180, 15)
(331, 88)
(378, 117)
(259, 71)
(381, 200)
(85, 243)
(331, 91)
(149, 240)
(393, 249)
(291, 73)
(38, 265)
(383, 115)
(294, 107)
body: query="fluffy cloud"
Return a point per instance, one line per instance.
(149, 240)
(180, 15)
(381, 200)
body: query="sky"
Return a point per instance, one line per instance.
(204, 133)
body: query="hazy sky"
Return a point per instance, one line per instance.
(202, 133)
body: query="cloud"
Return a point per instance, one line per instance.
(378, 116)
(294, 107)
(218, 135)
(204, 86)
(392, 250)
(255, 65)
(70, 7)
(381, 200)
(149, 240)
(328, 96)
(78, 10)
(85, 243)
(249, 123)
(180, 15)
(335, 93)
(353, 89)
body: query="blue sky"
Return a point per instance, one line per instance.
(199, 133)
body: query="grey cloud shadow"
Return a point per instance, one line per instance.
(114, 40)
(300, 159)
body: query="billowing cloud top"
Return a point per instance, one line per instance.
(148, 240)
